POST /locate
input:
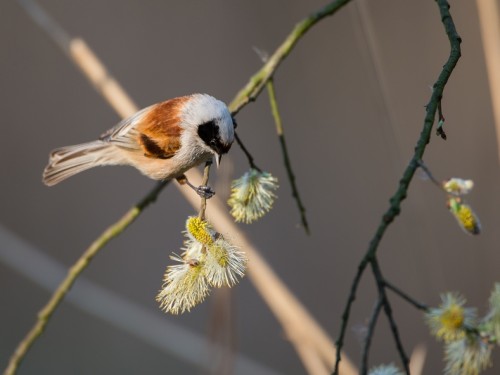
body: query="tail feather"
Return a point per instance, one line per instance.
(67, 161)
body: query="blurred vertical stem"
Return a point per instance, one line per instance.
(284, 150)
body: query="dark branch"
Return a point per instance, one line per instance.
(369, 336)
(347, 312)
(406, 297)
(286, 157)
(246, 152)
(404, 183)
(377, 273)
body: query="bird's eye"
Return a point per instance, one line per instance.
(235, 124)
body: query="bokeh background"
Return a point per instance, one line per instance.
(352, 97)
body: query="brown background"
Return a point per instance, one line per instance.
(348, 145)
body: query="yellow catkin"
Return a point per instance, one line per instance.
(220, 254)
(464, 215)
(199, 229)
(467, 218)
(453, 317)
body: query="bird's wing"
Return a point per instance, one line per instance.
(124, 134)
(155, 130)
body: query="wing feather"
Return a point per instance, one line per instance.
(154, 131)
(160, 131)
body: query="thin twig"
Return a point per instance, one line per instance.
(284, 150)
(404, 183)
(46, 313)
(347, 312)
(428, 173)
(397, 337)
(440, 185)
(258, 80)
(406, 297)
(369, 336)
(246, 152)
(377, 273)
(206, 175)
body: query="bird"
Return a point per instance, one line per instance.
(162, 141)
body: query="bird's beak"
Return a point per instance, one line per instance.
(218, 157)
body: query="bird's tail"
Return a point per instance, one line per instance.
(67, 161)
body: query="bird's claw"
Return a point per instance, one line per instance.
(205, 191)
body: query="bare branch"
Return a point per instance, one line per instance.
(284, 151)
(406, 297)
(74, 272)
(377, 273)
(258, 80)
(369, 336)
(404, 183)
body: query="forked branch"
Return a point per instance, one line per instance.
(404, 183)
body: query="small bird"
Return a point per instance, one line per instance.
(162, 141)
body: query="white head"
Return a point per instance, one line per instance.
(211, 120)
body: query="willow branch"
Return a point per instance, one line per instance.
(258, 80)
(339, 343)
(431, 177)
(404, 183)
(406, 297)
(284, 151)
(74, 272)
(203, 204)
(369, 336)
(379, 279)
(246, 152)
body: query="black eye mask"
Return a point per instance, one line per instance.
(209, 133)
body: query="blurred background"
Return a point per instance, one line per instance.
(352, 97)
